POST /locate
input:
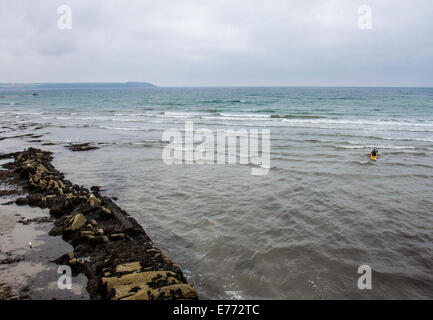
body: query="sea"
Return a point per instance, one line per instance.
(313, 227)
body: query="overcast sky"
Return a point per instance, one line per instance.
(219, 43)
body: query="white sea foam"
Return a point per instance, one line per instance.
(234, 295)
(181, 114)
(129, 120)
(246, 115)
(26, 113)
(124, 129)
(360, 122)
(131, 114)
(225, 118)
(374, 146)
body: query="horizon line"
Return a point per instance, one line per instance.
(217, 86)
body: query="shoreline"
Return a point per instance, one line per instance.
(109, 247)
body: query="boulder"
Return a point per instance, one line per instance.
(128, 267)
(21, 201)
(117, 236)
(87, 233)
(150, 285)
(94, 201)
(77, 222)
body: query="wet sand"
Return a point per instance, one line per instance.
(28, 270)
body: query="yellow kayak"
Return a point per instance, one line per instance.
(373, 157)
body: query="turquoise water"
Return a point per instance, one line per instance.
(302, 230)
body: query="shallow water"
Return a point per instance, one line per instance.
(34, 269)
(302, 230)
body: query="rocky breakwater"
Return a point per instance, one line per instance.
(110, 247)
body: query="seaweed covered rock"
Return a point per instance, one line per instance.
(150, 285)
(110, 247)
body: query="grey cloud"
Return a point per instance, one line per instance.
(193, 43)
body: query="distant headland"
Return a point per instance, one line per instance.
(77, 85)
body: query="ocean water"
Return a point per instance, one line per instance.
(299, 232)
